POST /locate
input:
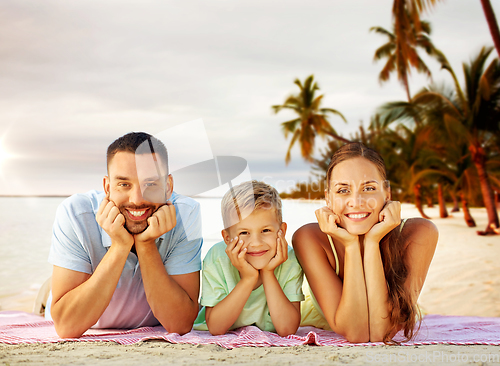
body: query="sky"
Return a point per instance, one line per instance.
(75, 75)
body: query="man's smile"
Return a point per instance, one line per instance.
(138, 215)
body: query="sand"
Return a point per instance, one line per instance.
(464, 279)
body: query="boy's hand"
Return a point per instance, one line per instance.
(112, 221)
(236, 250)
(389, 218)
(328, 223)
(161, 222)
(281, 253)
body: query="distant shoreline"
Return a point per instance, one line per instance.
(34, 196)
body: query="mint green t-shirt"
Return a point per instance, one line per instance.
(220, 277)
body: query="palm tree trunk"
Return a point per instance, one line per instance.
(418, 201)
(443, 213)
(492, 23)
(479, 158)
(430, 203)
(455, 202)
(465, 208)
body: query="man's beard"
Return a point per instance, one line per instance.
(135, 227)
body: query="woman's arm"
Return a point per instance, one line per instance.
(421, 239)
(376, 283)
(344, 305)
(377, 292)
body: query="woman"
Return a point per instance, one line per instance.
(364, 266)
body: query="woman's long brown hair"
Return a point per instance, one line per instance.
(403, 312)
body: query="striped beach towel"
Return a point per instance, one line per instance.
(19, 327)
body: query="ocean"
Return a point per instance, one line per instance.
(26, 230)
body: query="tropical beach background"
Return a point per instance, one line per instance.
(279, 84)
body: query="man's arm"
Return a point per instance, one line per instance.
(79, 299)
(173, 299)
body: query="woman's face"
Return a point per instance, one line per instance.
(356, 194)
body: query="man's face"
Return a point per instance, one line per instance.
(138, 186)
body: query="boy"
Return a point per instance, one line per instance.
(251, 278)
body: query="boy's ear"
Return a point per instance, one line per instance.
(283, 228)
(225, 236)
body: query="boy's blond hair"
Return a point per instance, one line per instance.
(251, 195)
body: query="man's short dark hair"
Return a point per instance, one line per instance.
(138, 143)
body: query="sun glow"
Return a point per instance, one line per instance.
(4, 155)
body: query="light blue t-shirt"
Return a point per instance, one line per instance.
(220, 277)
(79, 244)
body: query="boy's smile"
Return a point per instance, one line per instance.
(259, 231)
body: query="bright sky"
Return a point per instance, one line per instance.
(75, 75)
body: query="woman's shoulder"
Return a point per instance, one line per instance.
(307, 231)
(420, 230)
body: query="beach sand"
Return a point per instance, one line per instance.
(464, 279)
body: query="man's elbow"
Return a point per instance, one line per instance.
(65, 331)
(180, 329)
(177, 325)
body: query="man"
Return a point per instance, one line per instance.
(129, 256)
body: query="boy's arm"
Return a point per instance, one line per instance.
(223, 315)
(285, 314)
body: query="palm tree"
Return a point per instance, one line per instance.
(405, 149)
(474, 113)
(311, 121)
(402, 59)
(492, 23)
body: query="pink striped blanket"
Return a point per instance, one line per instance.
(19, 327)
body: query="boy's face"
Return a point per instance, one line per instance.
(260, 231)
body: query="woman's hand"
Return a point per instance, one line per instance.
(328, 223)
(389, 218)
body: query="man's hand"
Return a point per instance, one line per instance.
(328, 223)
(236, 250)
(389, 218)
(112, 221)
(161, 222)
(281, 253)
